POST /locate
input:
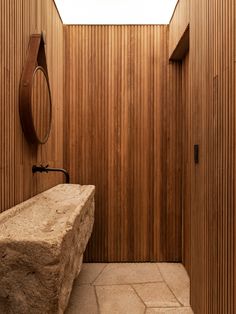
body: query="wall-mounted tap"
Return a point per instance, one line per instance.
(47, 169)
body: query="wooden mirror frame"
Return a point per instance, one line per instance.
(36, 58)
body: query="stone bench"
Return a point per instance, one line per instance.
(42, 242)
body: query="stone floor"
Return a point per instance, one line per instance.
(131, 289)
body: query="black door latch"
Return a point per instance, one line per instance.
(196, 154)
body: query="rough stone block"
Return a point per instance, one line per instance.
(42, 242)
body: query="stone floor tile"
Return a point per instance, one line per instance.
(119, 296)
(82, 301)
(177, 279)
(89, 273)
(182, 310)
(119, 299)
(156, 295)
(128, 273)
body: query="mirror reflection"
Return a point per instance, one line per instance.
(41, 104)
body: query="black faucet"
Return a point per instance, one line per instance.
(47, 169)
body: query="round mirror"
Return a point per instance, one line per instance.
(35, 106)
(41, 107)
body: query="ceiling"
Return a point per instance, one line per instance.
(116, 11)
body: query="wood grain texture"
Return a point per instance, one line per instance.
(123, 137)
(19, 19)
(212, 103)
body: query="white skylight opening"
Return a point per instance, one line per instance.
(99, 12)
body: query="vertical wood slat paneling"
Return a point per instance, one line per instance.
(212, 103)
(123, 137)
(19, 19)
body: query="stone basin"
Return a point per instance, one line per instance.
(42, 242)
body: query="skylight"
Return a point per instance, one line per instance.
(116, 11)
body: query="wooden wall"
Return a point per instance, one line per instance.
(123, 136)
(19, 19)
(212, 103)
